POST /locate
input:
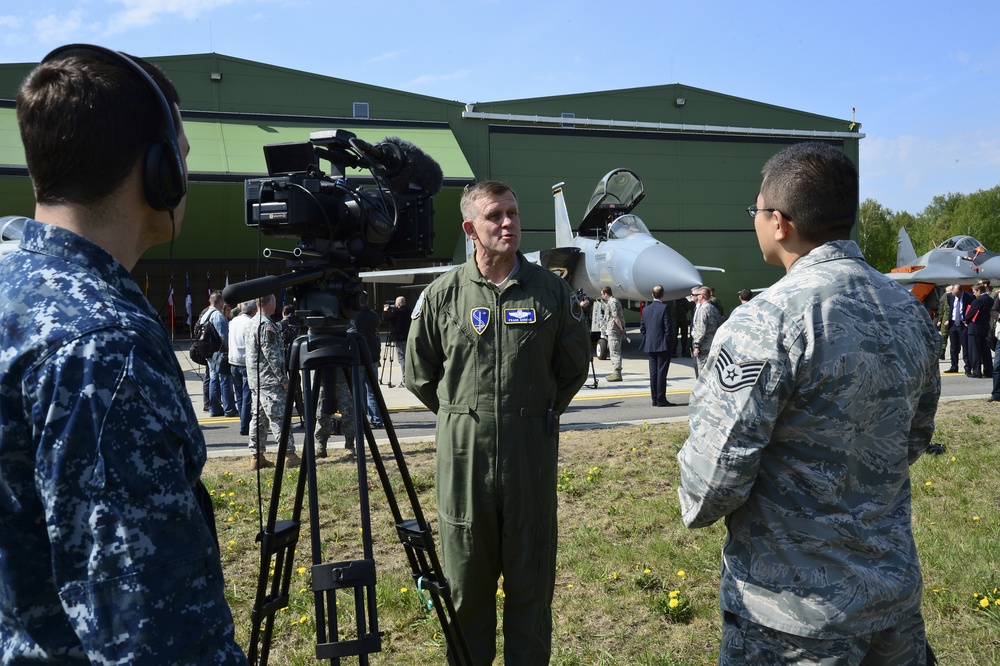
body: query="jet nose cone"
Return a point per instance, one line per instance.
(660, 265)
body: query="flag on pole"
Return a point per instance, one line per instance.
(227, 279)
(208, 284)
(170, 303)
(187, 298)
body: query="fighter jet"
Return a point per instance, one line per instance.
(614, 248)
(958, 260)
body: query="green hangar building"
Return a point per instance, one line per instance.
(699, 154)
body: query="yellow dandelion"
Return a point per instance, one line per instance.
(984, 602)
(402, 589)
(681, 573)
(301, 569)
(928, 483)
(674, 593)
(975, 517)
(674, 603)
(570, 586)
(646, 570)
(303, 619)
(614, 575)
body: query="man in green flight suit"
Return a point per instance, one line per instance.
(497, 349)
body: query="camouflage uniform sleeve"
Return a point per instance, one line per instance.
(571, 356)
(922, 428)
(424, 354)
(732, 414)
(132, 556)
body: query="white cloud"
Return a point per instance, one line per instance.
(59, 27)
(384, 57)
(140, 13)
(431, 79)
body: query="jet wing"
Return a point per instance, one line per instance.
(403, 275)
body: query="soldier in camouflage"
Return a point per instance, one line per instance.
(107, 546)
(497, 349)
(614, 329)
(817, 396)
(268, 379)
(334, 396)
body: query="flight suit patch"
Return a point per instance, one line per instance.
(480, 318)
(519, 316)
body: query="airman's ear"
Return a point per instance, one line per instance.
(783, 227)
(469, 230)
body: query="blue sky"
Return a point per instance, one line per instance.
(924, 77)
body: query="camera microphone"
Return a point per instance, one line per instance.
(404, 163)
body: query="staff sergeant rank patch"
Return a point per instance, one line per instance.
(519, 316)
(732, 375)
(480, 318)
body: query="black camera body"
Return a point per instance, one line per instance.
(338, 220)
(342, 225)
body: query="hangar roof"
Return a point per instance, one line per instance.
(227, 147)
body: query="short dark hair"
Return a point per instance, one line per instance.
(483, 188)
(816, 187)
(85, 121)
(745, 294)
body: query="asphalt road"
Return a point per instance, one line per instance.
(607, 405)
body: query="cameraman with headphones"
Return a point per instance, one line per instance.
(107, 545)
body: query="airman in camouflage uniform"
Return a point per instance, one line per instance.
(334, 396)
(107, 548)
(497, 349)
(704, 324)
(614, 329)
(268, 379)
(817, 396)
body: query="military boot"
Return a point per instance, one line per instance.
(321, 449)
(258, 461)
(615, 376)
(291, 460)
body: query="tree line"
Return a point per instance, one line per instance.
(976, 215)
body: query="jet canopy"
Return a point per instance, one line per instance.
(963, 243)
(615, 195)
(627, 225)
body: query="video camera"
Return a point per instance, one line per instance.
(353, 227)
(341, 226)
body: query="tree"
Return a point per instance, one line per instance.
(877, 235)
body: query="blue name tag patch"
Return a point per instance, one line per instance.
(519, 316)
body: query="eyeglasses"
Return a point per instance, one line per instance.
(753, 210)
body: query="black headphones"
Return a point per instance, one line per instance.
(163, 178)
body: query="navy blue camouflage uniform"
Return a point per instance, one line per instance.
(105, 555)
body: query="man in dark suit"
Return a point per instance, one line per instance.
(978, 317)
(958, 302)
(657, 341)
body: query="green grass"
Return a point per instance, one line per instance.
(633, 585)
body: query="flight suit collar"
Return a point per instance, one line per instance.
(831, 251)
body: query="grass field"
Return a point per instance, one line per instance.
(633, 585)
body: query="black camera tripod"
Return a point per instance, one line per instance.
(388, 353)
(311, 355)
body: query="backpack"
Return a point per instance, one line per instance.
(206, 342)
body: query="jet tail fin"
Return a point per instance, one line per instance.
(905, 254)
(564, 230)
